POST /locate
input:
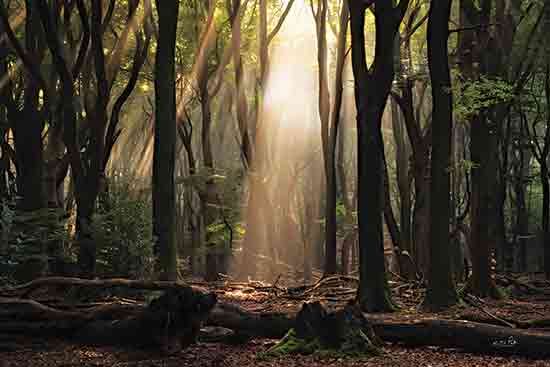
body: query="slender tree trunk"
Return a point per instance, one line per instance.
(389, 216)
(441, 291)
(328, 134)
(402, 167)
(420, 140)
(521, 206)
(545, 217)
(165, 139)
(235, 15)
(89, 190)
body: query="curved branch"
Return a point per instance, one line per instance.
(33, 69)
(85, 38)
(277, 28)
(140, 56)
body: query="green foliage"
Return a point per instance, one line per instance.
(224, 191)
(534, 200)
(123, 230)
(466, 165)
(473, 97)
(356, 344)
(7, 215)
(291, 344)
(29, 241)
(30, 234)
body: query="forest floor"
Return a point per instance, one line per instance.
(519, 307)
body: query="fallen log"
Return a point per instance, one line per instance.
(522, 286)
(269, 325)
(24, 290)
(469, 336)
(171, 322)
(465, 335)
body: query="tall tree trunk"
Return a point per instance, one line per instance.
(389, 216)
(89, 190)
(28, 127)
(328, 135)
(484, 153)
(350, 237)
(420, 142)
(373, 294)
(214, 254)
(165, 140)
(482, 207)
(441, 291)
(544, 173)
(235, 15)
(402, 168)
(545, 217)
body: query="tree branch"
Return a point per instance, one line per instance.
(275, 30)
(33, 69)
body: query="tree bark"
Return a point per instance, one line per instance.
(165, 139)
(28, 123)
(328, 130)
(402, 168)
(373, 292)
(441, 291)
(483, 151)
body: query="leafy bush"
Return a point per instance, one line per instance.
(123, 230)
(35, 237)
(6, 221)
(473, 97)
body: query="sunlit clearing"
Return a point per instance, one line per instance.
(284, 184)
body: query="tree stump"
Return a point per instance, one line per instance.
(344, 332)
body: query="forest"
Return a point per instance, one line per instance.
(274, 183)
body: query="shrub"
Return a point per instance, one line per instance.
(123, 230)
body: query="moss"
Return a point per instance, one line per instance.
(356, 345)
(291, 344)
(499, 293)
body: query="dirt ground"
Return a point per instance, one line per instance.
(63, 354)
(259, 297)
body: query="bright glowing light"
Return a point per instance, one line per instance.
(288, 166)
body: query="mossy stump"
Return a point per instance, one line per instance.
(343, 332)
